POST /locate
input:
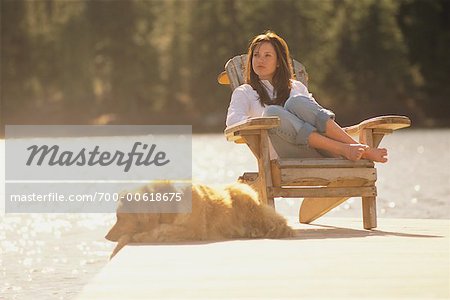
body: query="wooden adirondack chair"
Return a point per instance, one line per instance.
(323, 183)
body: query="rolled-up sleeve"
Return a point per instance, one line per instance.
(299, 88)
(239, 108)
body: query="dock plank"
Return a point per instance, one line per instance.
(407, 258)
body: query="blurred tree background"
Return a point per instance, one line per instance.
(156, 62)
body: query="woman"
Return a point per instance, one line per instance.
(306, 129)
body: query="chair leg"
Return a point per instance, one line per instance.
(369, 212)
(313, 208)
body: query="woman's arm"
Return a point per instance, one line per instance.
(299, 88)
(239, 108)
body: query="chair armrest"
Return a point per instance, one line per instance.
(234, 132)
(386, 124)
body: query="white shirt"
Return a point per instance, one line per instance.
(245, 103)
(245, 100)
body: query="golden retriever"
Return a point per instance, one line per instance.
(217, 214)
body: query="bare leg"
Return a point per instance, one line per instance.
(350, 151)
(335, 132)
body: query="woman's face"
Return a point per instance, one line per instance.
(264, 61)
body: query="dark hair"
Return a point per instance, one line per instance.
(283, 73)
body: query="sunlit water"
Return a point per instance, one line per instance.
(52, 256)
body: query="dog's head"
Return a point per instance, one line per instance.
(125, 224)
(134, 215)
(130, 220)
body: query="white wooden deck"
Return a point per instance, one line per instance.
(336, 258)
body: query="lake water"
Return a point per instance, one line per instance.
(52, 256)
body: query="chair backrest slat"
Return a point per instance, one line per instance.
(235, 69)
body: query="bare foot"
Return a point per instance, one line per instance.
(376, 154)
(354, 152)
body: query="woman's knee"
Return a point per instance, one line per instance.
(295, 102)
(309, 111)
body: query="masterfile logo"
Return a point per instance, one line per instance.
(93, 157)
(150, 152)
(88, 168)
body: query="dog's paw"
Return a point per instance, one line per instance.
(123, 240)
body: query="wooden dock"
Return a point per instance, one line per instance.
(335, 258)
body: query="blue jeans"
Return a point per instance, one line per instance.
(299, 117)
